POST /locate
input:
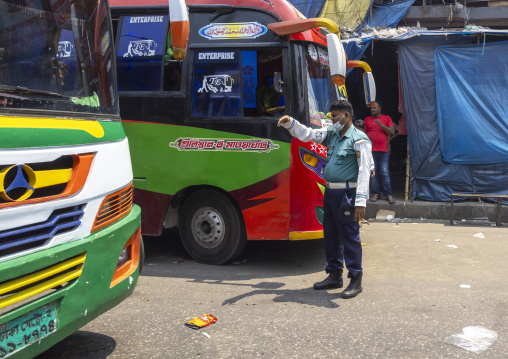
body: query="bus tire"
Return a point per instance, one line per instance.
(210, 227)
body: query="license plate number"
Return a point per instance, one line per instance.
(24, 330)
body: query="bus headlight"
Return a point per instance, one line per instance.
(313, 161)
(124, 256)
(128, 260)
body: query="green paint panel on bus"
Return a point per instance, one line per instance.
(84, 298)
(168, 169)
(50, 137)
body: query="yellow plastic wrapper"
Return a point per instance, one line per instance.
(200, 322)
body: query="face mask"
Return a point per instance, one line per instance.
(338, 126)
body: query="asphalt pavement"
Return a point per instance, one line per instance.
(423, 282)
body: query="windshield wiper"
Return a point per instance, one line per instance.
(25, 90)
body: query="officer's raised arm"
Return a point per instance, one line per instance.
(302, 132)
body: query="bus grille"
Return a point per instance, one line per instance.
(22, 184)
(31, 236)
(25, 289)
(114, 207)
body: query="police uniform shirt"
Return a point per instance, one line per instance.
(349, 157)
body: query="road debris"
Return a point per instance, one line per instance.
(200, 322)
(437, 240)
(452, 246)
(465, 286)
(206, 335)
(385, 215)
(479, 235)
(474, 339)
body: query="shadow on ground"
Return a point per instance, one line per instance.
(166, 257)
(307, 296)
(81, 345)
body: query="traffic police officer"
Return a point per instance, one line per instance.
(349, 153)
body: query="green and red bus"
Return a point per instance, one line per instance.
(70, 245)
(207, 155)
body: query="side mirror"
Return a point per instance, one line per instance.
(337, 58)
(369, 87)
(277, 82)
(179, 22)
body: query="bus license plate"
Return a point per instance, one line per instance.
(31, 327)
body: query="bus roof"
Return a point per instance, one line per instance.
(282, 9)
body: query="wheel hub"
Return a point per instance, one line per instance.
(208, 227)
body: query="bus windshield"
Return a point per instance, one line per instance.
(320, 88)
(56, 55)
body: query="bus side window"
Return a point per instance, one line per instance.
(140, 52)
(172, 68)
(267, 101)
(231, 83)
(216, 83)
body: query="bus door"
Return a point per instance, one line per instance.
(238, 85)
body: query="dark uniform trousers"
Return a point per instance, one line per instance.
(342, 241)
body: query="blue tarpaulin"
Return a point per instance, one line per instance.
(309, 8)
(434, 179)
(472, 105)
(388, 14)
(355, 50)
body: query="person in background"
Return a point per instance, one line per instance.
(360, 124)
(378, 127)
(347, 187)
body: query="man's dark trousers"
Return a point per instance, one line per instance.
(382, 174)
(342, 241)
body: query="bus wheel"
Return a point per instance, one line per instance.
(210, 227)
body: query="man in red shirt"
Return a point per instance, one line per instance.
(378, 127)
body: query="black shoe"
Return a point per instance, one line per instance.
(334, 280)
(354, 288)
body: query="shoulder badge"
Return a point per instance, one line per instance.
(357, 154)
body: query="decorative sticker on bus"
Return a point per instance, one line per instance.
(141, 48)
(318, 149)
(212, 144)
(312, 52)
(222, 55)
(64, 49)
(217, 83)
(239, 30)
(323, 57)
(145, 19)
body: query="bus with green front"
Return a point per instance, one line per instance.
(70, 244)
(207, 155)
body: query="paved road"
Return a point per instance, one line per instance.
(412, 301)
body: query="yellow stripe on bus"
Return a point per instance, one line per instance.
(94, 128)
(33, 291)
(295, 236)
(52, 177)
(40, 275)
